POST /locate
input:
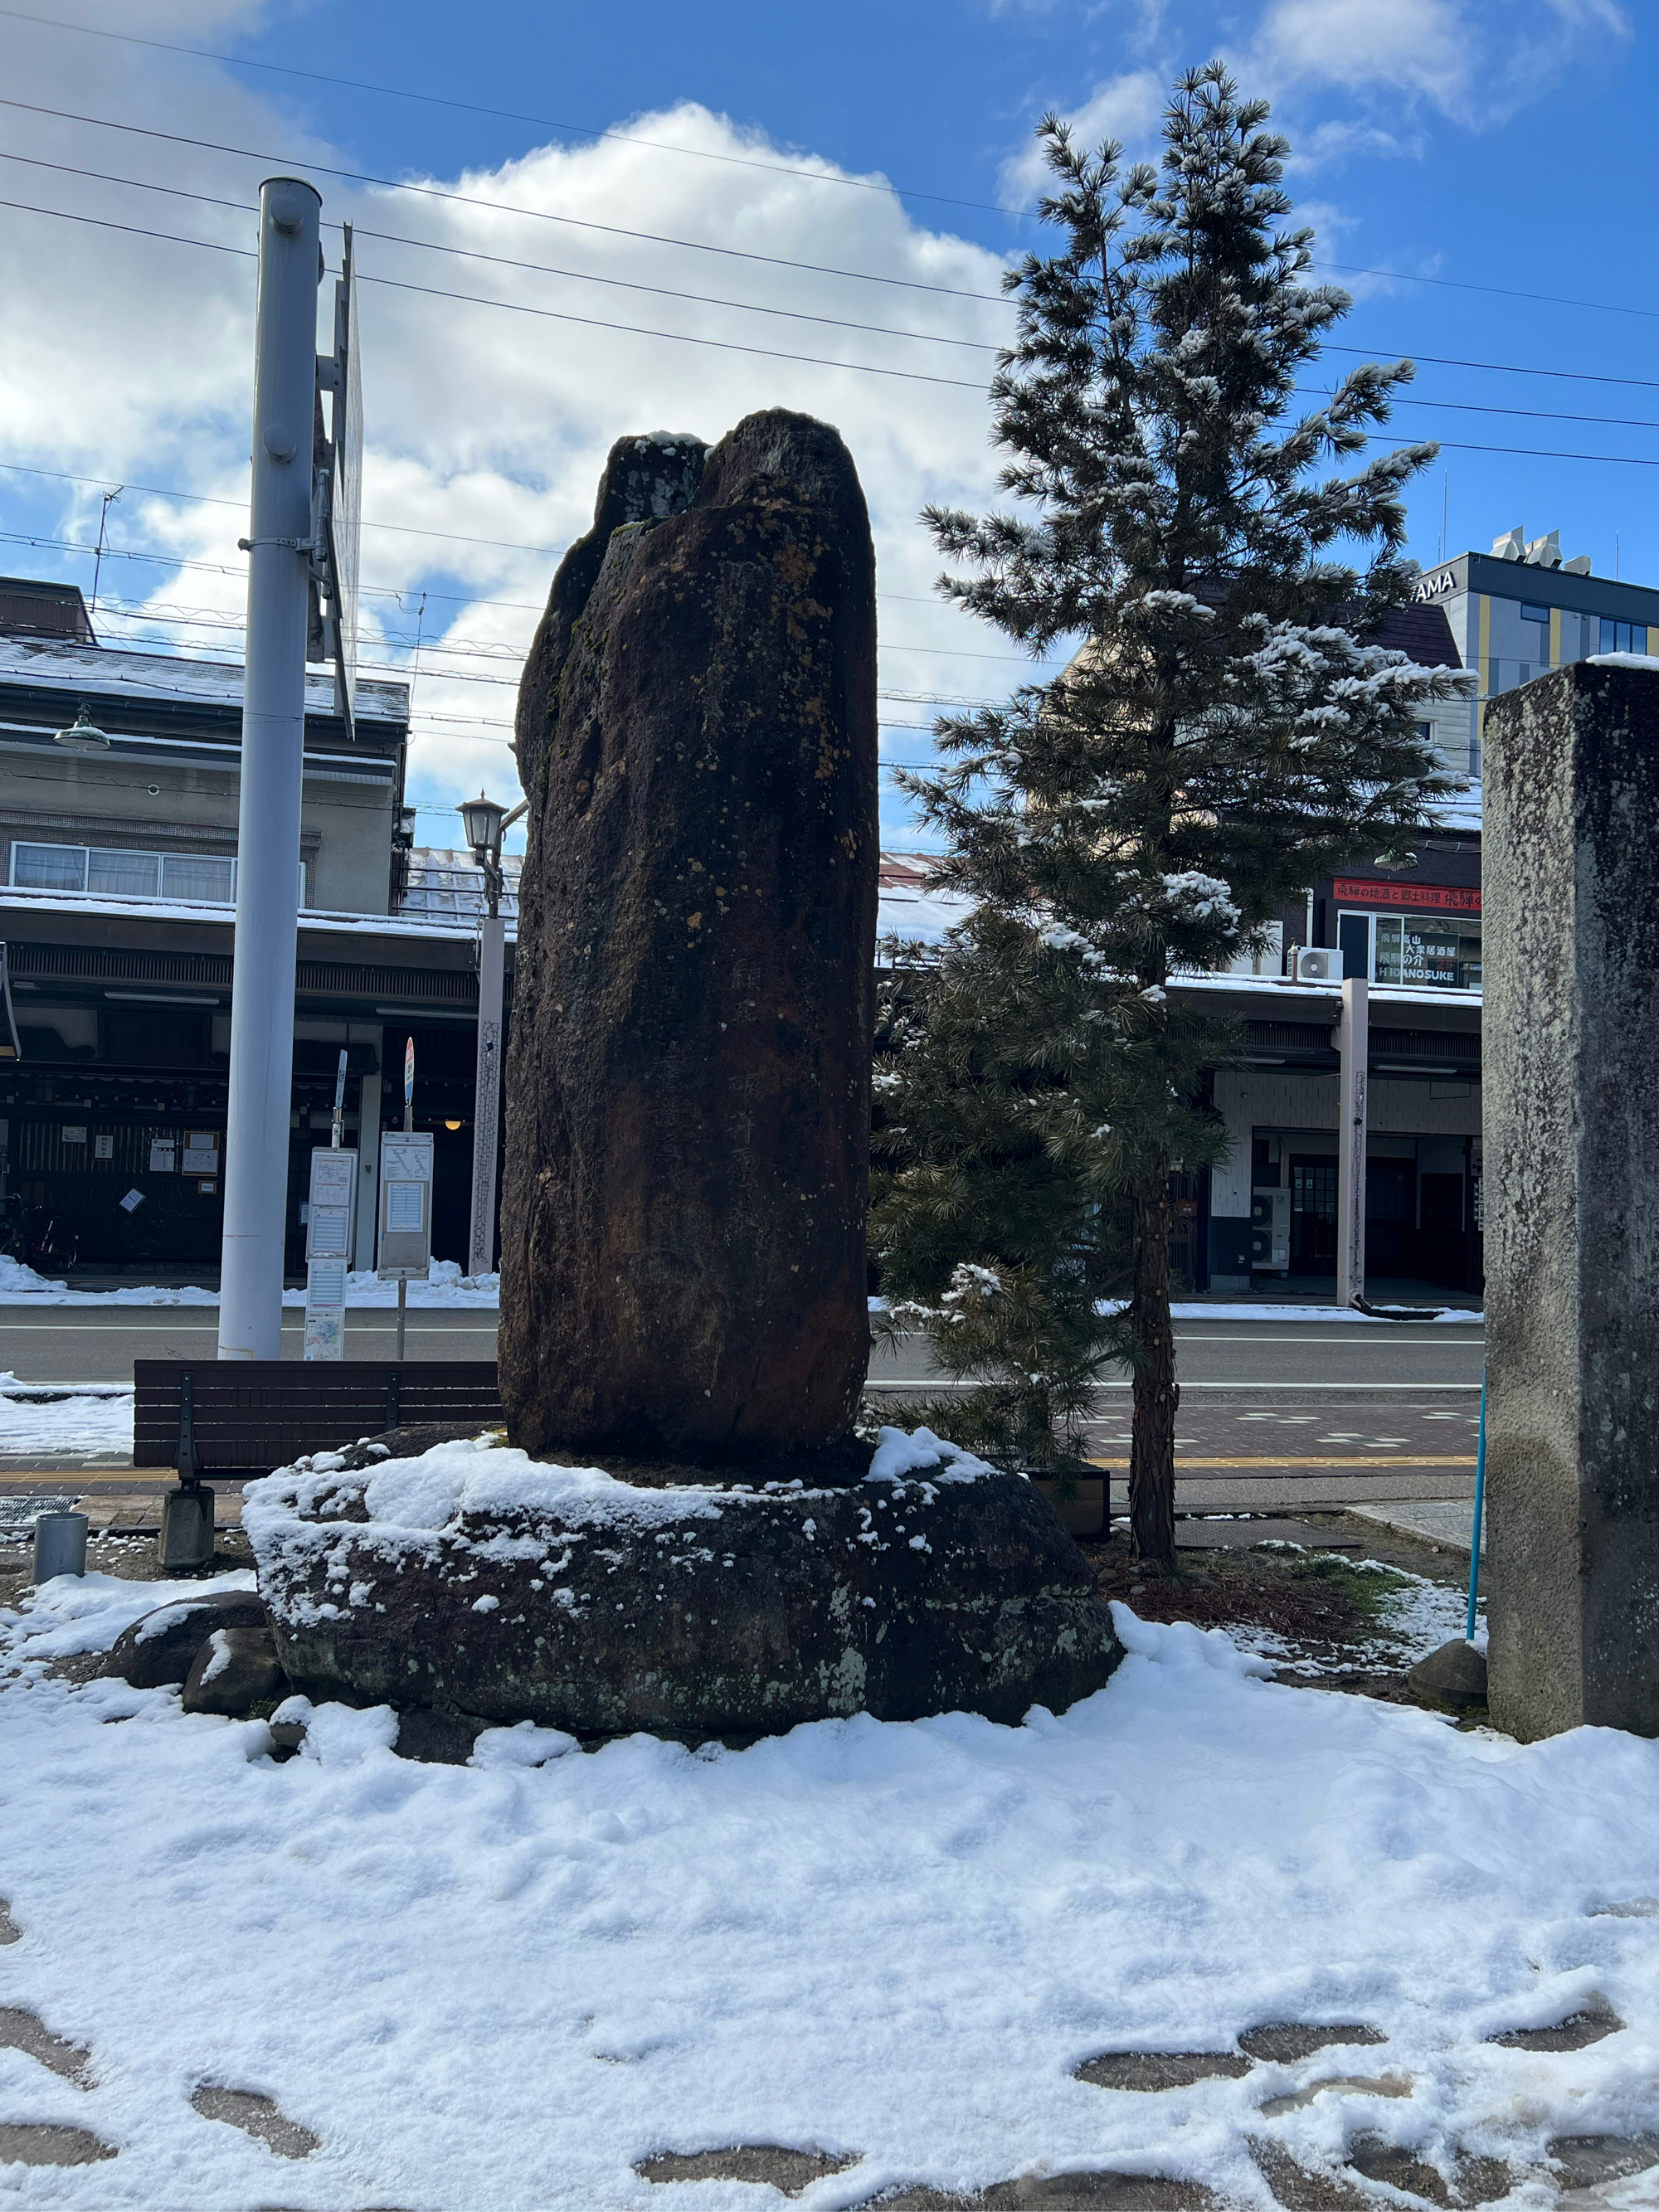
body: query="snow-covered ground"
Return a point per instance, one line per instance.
(446, 1286)
(92, 1421)
(506, 1984)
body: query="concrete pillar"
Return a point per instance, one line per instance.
(1353, 1047)
(1571, 1145)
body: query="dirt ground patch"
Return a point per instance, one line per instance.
(1329, 1616)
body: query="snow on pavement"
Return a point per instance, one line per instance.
(446, 1286)
(92, 1422)
(505, 1984)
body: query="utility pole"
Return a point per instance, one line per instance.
(1353, 1047)
(485, 823)
(279, 550)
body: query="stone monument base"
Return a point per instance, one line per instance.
(477, 1581)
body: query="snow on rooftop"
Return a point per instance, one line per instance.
(110, 671)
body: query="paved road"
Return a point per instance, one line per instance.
(99, 1344)
(1278, 1414)
(1297, 1413)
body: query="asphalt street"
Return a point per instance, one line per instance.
(99, 1344)
(1273, 1414)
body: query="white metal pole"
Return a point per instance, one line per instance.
(487, 1092)
(1353, 1046)
(273, 744)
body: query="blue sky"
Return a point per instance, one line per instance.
(1503, 149)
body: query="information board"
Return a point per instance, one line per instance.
(328, 1250)
(405, 1243)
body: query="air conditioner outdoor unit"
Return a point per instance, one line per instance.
(1317, 964)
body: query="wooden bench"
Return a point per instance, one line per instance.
(244, 1417)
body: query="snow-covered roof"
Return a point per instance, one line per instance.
(445, 884)
(104, 670)
(907, 909)
(1461, 810)
(449, 884)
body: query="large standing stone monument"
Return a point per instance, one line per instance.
(1571, 892)
(699, 1545)
(682, 1270)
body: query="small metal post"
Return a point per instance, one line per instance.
(403, 1308)
(394, 1398)
(186, 1457)
(273, 747)
(60, 1545)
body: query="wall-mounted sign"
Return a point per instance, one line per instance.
(1421, 898)
(202, 1152)
(74, 1133)
(132, 1201)
(163, 1155)
(103, 1148)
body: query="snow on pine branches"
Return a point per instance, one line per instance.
(1229, 727)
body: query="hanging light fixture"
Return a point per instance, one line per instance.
(83, 735)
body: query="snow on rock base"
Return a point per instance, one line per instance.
(478, 1581)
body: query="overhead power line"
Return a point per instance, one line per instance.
(379, 590)
(509, 115)
(772, 353)
(708, 299)
(503, 261)
(879, 185)
(1437, 361)
(491, 207)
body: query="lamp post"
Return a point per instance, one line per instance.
(484, 823)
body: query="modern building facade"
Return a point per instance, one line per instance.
(118, 799)
(119, 789)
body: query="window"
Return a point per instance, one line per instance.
(1623, 637)
(1441, 950)
(207, 882)
(50, 867)
(1534, 614)
(127, 875)
(202, 879)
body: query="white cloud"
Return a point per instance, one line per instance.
(1408, 45)
(1475, 65)
(131, 360)
(1125, 107)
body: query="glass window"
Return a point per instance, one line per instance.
(1623, 637)
(1441, 950)
(1534, 614)
(50, 867)
(209, 883)
(133, 875)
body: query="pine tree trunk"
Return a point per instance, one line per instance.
(1156, 1395)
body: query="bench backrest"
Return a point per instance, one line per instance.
(247, 1416)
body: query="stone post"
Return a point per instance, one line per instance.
(1571, 1147)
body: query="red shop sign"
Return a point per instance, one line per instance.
(1421, 898)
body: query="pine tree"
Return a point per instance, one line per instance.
(1225, 735)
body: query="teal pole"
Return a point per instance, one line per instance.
(1479, 1500)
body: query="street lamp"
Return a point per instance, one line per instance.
(484, 823)
(83, 735)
